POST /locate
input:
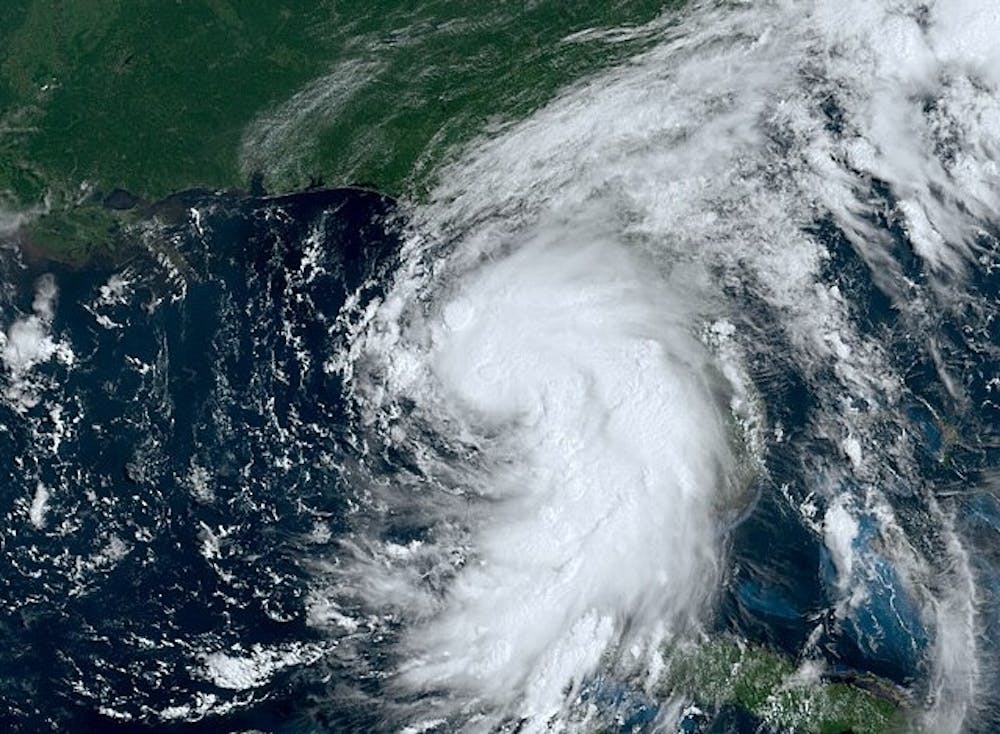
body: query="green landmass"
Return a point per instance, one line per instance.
(78, 233)
(158, 96)
(725, 671)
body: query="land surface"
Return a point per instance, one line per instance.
(152, 97)
(108, 107)
(726, 671)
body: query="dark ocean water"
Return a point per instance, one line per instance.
(203, 443)
(197, 457)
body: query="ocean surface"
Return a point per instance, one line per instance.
(673, 406)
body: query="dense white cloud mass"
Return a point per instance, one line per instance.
(549, 325)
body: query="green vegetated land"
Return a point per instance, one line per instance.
(725, 671)
(157, 96)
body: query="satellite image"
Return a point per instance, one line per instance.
(499, 367)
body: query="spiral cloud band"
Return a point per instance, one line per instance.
(584, 303)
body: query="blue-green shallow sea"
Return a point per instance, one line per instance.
(201, 357)
(671, 406)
